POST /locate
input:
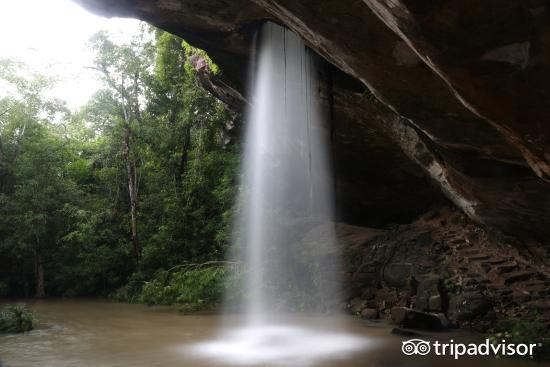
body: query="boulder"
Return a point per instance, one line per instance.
(369, 313)
(428, 295)
(357, 304)
(398, 314)
(422, 320)
(468, 306)
(413, 319)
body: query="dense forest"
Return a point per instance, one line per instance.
(100, 201)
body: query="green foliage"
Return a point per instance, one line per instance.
(193, 51)
(65, 203)
(33, 177)
(194, 288)
(519, 331)
(16, 319)
(130, 292)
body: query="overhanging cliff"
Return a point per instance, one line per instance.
(437, 96)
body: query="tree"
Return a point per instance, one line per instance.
(33, 184)
(142, 172)
(124, 70)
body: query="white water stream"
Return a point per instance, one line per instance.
(285, 228)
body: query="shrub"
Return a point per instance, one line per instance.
(16, 319)
(129, 292)
(525, 331)
(194, 288)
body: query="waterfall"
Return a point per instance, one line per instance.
(287, 184)
(285, 231)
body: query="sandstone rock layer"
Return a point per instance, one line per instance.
(429, 97)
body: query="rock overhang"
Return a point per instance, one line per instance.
(423, 92)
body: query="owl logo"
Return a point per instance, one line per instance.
(415, 346)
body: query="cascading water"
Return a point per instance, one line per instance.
(285, 229)
(287, 186)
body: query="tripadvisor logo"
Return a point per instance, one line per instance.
(422, 347)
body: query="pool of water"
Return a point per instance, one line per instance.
(86, 333)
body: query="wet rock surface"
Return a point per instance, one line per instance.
(453, 273)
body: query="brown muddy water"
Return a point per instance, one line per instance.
(85, 333)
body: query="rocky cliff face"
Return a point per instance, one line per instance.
(430, 97)
(444, 270)
(432, 101)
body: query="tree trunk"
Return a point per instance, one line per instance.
(39, 271)
(132, 189)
